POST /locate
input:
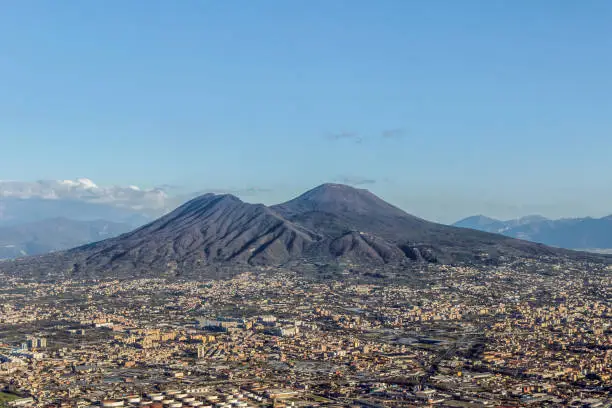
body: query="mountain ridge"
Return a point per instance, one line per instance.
(570, 233)
(38, 237)
(330, 223)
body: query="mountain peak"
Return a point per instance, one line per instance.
(478, 220)
(530, 218)
(482, 223)
(336, 192)
(337, 186)
(207, 201)
(338, 198)
(212, 197)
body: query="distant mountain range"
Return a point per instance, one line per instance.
(571, 233)
(17, 211)
(54, 235)
(46, 216)
(329, 224)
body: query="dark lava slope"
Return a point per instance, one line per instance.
(206, 230)
(335, 210)
(331, 222)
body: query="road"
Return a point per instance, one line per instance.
(448, 353)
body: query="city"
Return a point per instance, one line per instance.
(305, 204)
(515, 335)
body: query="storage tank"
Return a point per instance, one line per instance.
(112, 403)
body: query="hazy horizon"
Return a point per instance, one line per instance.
(432, 208)
(445, 109)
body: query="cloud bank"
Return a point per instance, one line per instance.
(85, 190)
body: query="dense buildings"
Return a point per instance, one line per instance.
(516, 335)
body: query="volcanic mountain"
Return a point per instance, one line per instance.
(328, 223)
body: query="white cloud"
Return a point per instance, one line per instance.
(83, 189)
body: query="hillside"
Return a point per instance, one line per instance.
(327, 224)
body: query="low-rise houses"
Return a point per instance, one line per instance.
(452, 336)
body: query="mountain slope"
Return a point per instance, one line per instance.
(570, 233)
(339, 198)
(327, 224)
(335, 210)
(54, 235)
(207, 230)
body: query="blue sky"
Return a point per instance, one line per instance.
(445, 108)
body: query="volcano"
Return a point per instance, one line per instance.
(329, 223)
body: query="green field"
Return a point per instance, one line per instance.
(320, 399)
(4, 398)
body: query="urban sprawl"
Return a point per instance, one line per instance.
(524, 334)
